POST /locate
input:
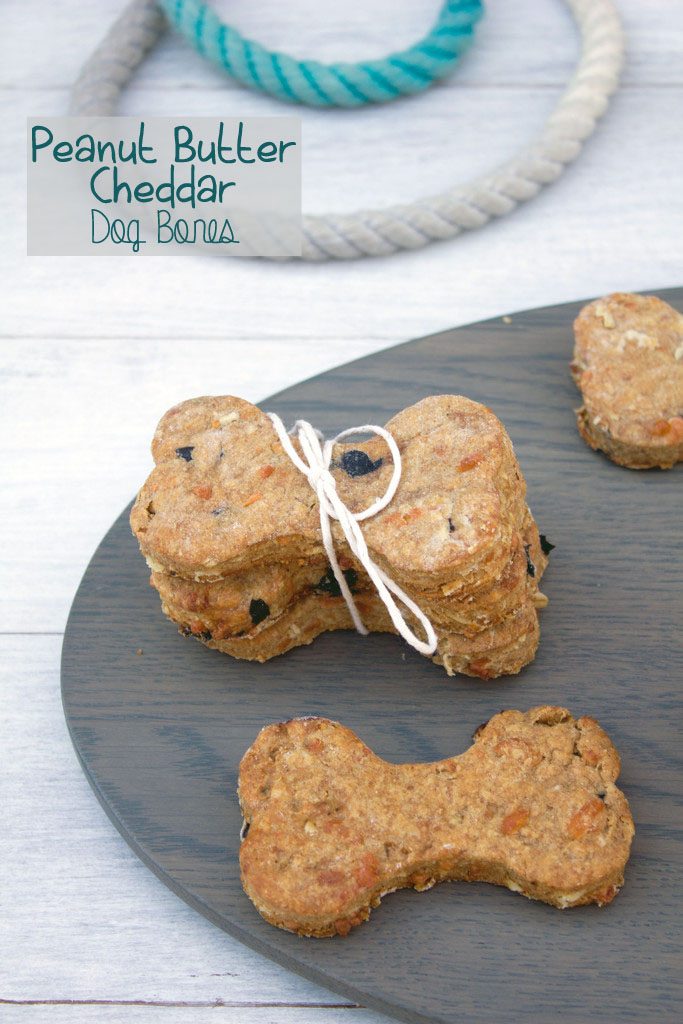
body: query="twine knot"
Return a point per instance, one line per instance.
(315, 466)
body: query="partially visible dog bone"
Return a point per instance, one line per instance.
(628, 365)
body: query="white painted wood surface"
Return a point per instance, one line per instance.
(92, 353)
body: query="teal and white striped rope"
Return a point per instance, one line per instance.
(463, 206)
(328, 85)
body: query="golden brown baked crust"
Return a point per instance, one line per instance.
(330, 827)
(628, 365)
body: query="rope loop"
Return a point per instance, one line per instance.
(315, 466)
(316, 84)
(461, 207)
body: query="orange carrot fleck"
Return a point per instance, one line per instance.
(673, 426)
(514, 821)
(586, 819)
(470, 461)
(251, 499)
(331, 877)
(203, 491)
(334, 825)
(266, 471)
(367, 872)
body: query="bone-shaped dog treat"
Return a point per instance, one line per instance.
(628, 365)
(247, 603)
(330, 827)
(225, 496)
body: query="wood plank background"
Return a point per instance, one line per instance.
(92, 354)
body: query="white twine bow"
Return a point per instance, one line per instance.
(318, 454)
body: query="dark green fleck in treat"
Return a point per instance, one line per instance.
(185, 453)
(451, 527)
(258, 610)
(328, 584)
(217, 511)
(185, 630)
(530, 567)
(205, 636)
(546, 546)
(357, 463)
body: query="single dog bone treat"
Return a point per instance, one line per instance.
(330, 827)
(224, 494)
(472, 633)
(242, 603)
(503, 648)
(628, 365)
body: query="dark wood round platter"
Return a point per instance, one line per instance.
(160, 735)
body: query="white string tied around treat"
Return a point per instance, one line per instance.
(318, 455)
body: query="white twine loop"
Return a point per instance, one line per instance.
(318, 454)
(540, 161)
